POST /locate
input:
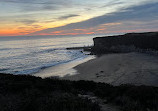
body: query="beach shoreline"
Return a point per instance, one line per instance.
(61, 70)
(120, 68)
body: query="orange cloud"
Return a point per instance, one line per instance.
(57, 32)
(80, 29)
(90, 33)
(101, 29)
(67, 33)
(109, 24)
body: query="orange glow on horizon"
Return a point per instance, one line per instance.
(29, 30)
(9, 33)
(70, 32)
(18, 31)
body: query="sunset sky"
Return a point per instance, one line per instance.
(75, 17)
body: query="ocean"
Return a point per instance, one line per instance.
(29, 55)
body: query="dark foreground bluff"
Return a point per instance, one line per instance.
(125, 43)
(29, 93)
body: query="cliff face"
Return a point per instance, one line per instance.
(131, 40)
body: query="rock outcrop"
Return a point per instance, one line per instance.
(125, 43)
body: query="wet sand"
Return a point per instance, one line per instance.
(116, 69)
(62, 69)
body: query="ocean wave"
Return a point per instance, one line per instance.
(31, 54)
(35, 70)
(46, 51)
(1, 49)
(3, 69)
(38, 69)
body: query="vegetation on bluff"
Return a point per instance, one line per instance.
(29, 93)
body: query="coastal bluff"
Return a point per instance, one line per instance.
(125, 43)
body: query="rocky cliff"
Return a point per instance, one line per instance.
(125, 43)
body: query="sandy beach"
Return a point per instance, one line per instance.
(62, 69)
(116, 69)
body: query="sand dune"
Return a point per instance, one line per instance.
(116, 69)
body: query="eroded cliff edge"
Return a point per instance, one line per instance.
(125, 43)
